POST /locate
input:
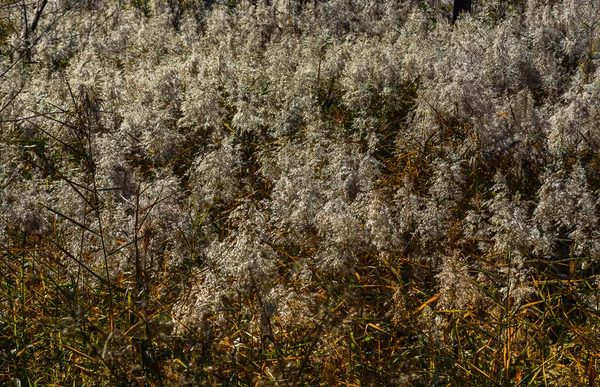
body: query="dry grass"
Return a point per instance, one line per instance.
(65, 321)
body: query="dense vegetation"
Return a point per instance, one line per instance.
(299, 193)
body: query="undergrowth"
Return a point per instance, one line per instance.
(301, 194)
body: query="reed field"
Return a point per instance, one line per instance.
(299, 193)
